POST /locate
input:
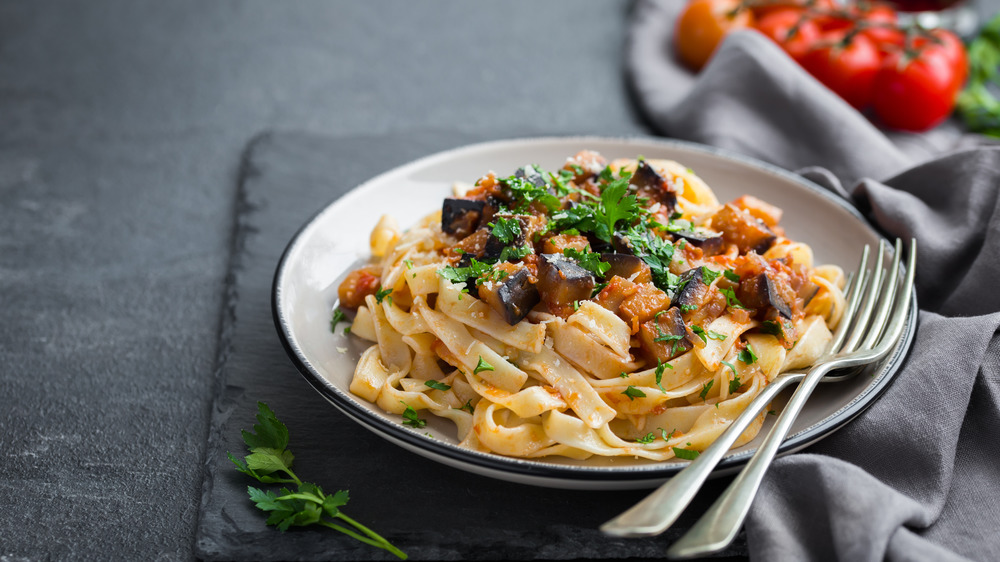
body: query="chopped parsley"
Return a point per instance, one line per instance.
(747, 355)
(730, 365)
(506, 230)
(731, 275)
(660, 366)
(705, 389)
(410, 417)
(735, 384)
(381, 294)
(338, 317)
(482, 366)
(437, 385)
(686, 454)
(709, 275)
(633, 393)
(706, 334)
(467, 406)
(515, 253)
(409, 264)
(666, 436)
(591, 261)
(647, 439)
(624, 375)
(731, 299)
(688, 307)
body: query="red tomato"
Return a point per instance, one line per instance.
(702, 25)
(880, 24)
(849, 70)
(953, 49)
(915, 94)
(777, 23)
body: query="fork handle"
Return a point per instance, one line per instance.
(719, 525)
(660, 510)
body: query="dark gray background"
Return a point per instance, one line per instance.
(122, 126)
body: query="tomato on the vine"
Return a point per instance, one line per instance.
(702, 25)
(951, 47)
(791, 28)
(762, 8)
(880, 24)
(916, 90)
(846, 64)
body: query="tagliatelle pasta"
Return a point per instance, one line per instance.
(614, 309)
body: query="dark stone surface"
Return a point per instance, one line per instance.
(429, 510)
(121, 129)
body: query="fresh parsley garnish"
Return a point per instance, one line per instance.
(514, 253)
(646, 439)
(666, 436)
(467, 406)
(506, 230)
(709, 275)
(482, 366)
(688, 307)
(706, 388)
(731, 299)
(381, 293)
(735, 384)
(591, 261)
(410, 417)
(686, 454)
(338, 317)
(747, 355)
(731, 275)
(270, 462)
(437, 385)
(660, 366)
(633, 393)
(408, 263)
(772, 328)
(730, 365)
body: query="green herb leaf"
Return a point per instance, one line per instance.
(506, 229)
(731, 275)
(735, 384)
(468, 407)
(338, 317)
(482, 366)
(410, 417)
(383, 293)
(686, 454)
(730, 365)
(514, 253)
(633, 393)
(709, 275)
(747, 355)
(437, 385)
(731, 299)
(706, 388)
(646, 439)
(660, 366)
(591, 261)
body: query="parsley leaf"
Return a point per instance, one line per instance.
(338, 317)
(382, 293)
(410, 417)
(482, 366)
(731, 299)
(591, 261)
(468, 406)
(730, 365)
(731, 275)
(616, 204)
(437, 385)
(747, 355)
(633, 393)
(514, 252)
(307, 504)
(706, 388)
(666, 436)
(734, 384)
(646, 439)
(475, 269)
(709, 275)
(660, 366)
(686, 454)
(506, 230)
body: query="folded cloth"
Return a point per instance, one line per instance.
(913, 477)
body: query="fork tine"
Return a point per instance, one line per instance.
(852, 302)
(902, 304)
(860, 327)
(879, 323)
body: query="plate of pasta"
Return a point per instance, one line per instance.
(577, 312)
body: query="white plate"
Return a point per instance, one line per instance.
(336, 241)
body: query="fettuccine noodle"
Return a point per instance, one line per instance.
(605, 309)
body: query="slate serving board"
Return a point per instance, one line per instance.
(428, 510)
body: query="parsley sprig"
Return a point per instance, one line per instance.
(270, 462)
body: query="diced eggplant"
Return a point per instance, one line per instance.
(562, 282)
(710, 243)
(628, 266)
(665, 336)
(622, 244)
(461, 216)
(653, 185)
(692, 289)
(494, 246)
(698, 301)
(762, 292)
(645, 303)
(531, 174)
(743, 229)
(513, 297)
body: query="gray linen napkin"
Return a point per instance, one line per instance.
(916, 476)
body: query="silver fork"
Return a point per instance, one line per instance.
(661, 509)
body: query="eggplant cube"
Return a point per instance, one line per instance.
(562, 282)
(461, 216)
(513, 297)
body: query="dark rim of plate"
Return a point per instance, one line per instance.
(540, 472)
